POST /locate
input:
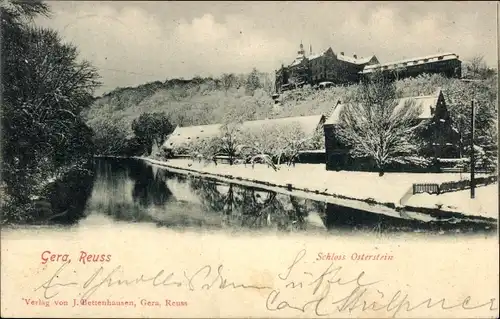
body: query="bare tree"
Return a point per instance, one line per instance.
(202, 149)
(228, 141)
(280, 142)
(268, 83)
(375, 126)
(228, 80)
(476, 68)
(291, 139)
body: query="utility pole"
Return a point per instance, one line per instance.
(472, 155)
(472, 151)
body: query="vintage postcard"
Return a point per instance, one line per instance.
(232, 159)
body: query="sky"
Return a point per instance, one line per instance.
(134, 42)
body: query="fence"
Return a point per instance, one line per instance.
(425, 188)
(452, 186)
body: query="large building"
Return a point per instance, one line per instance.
(324, 67)
(336, 69)
(447, 64)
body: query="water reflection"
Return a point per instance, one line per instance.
(130, 190)
(67, 197)
(349, 219)
(253, 207)
(133, 191)
(149, 188)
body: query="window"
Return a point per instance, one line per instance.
(440, 58)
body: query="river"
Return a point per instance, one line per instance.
(131, 191)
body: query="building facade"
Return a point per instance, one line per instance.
(327, 66)
(440, 139)
(447, 64)
(180, 140)
(339, 69)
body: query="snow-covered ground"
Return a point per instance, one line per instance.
(358, 185)
(484, 204)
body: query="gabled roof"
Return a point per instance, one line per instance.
(411, 62)
(358, 61)
(427, 104)
(345, 58)
(298, 60)
(183, 135)
(317, 55)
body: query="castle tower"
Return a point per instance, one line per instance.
(310, 49)
(301, 51)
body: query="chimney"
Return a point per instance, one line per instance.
(355, 56)
(341, 53)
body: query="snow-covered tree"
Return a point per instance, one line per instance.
(291, 139)
(476, 68)
(252, 82)
(375, 127)
(45, 87)
(282, 143)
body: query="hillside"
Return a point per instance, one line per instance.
(205, 101)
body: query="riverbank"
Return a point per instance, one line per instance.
(45, 196)
(360, 190)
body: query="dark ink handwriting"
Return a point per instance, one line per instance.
(324, 292)
(203, 278)
(357, 298)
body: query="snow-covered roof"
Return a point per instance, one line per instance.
(427, 104)
(411, 62)
(342, 57)
(317, 55)
(362, 60)
(308, 124)
(183, 135)
(298, 60)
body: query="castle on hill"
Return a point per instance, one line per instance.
(331, 68)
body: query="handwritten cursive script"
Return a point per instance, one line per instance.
(356, 293)
(204, 278)
(323, 293)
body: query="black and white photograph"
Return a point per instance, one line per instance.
(247, 136)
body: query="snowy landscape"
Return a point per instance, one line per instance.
(400, 135)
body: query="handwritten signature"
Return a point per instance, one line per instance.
(357, 293)
(203, 278)
(357, 298)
